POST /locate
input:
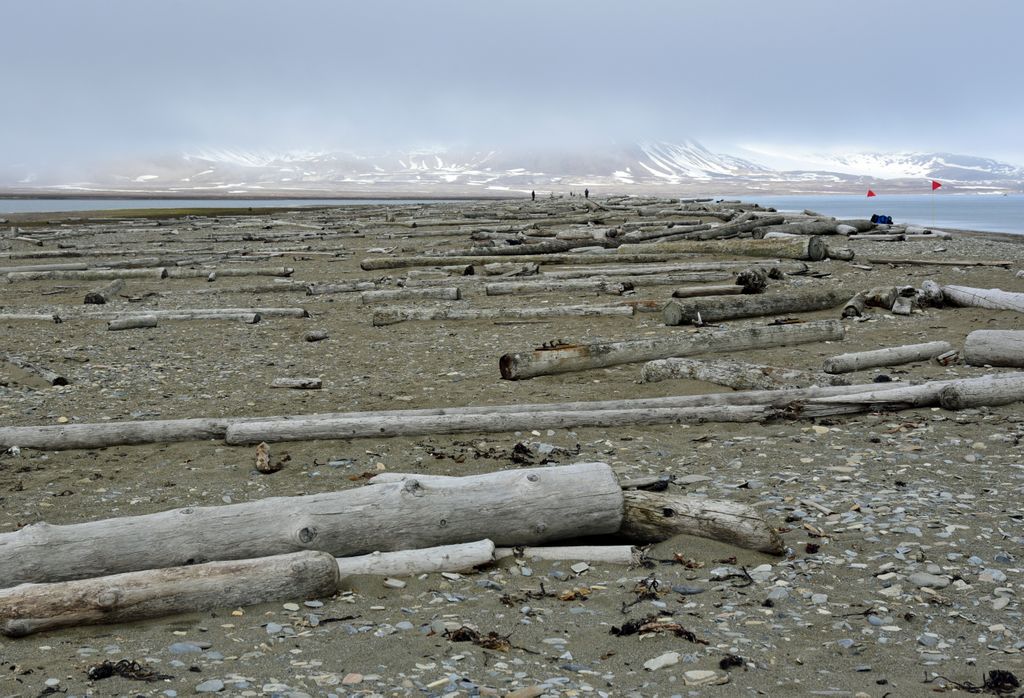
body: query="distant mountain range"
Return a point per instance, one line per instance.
(686, 167)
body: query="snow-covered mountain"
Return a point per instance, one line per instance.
(647, 165)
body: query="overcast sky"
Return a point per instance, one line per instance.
(87, 80)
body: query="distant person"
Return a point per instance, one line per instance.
(586, 193)
(533, 196)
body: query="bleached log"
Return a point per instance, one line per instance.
(743, 223)
(206, 313)
(564, 359)
(30, 317)
(154, 593)
(445, 271)
(132, 322)
(806, 248)
(990, 391)
(993, 298)
(101, 296)
(65, 266)
(546, 247)
(51, 377)
(297, 383)
(657, 516)
(889, 356)
(737, 375)
(697, 271)
(1000, 386)
(523, 507)
(509, 269)
(89, 274)
(461, 557)
(904, 261)
(607, 554)
(699, 291)
(717, 309)
(879, 237)
(180, 273)
(660, 232)
(444, 293)
(390, 316)
(822, 227)
(995, 348)
(518, 288)
(258, 289)
(227, 315)
(347, 287)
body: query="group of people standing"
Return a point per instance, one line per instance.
(586, 194)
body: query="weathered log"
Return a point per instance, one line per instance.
(103, 295)
(180, 273)
(607, 554)
(737, 375)
(89, 274)
(394, 315)
(743, 223)
(460, 557)
(509, 269)
(879, 237)
(524, 507)
(889, 356)
(227, 315)
(118, 598)
(808, 248)
(926, 394)
(30, 317)
(660, 232)
(444, 293)
(51, 377)
(993, 298)
(567, 358)
(132, 322)
(657, 516)
(715, 309)
(206, 313)
(506, 288)
(904, 261)
(995, 348)
(546, 247)
(698, 291)
(700, 271)
(349, 287)
(990, 391)
(297, 383)
(65, 266)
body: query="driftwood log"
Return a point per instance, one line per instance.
(132, 322)
(993, 298)
(542, 285)
(608, 554)
(104, 295)
(297, 383)
(391, 316)
(737, 375)
(1000, 389)
(51, 377)
(717, 309)
(89, 274)
(348, 287)
(152, 593)
(811, 248)
(444, 293)
(459, 557)
(995, 348)
(568, 358)
(889, 356)
(524, 507)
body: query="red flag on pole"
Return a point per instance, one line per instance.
(936, 185)
(871, 193)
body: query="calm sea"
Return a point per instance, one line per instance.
(995, 213)
(58, 205)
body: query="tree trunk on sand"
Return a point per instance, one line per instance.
(904, 261)
(568, 358)
(657, 516)
(990, 391)
(999, 386)
(30, 317)
(608, 554)
(132, 322)
(641, 257)
(100, 296)
(509, 269)
(734, 374)
(350, 287)
(889, 356)
(444, 293)
(65, 266)
(51, 377)
(995, 348)
(715, 310)
(743, 224)
(297, 383)
(546, 247)
(507, 288)
(659, 232)
(247, 317)
(811, 248)
(699, 291)
(180, 273)
(993, 298)
(460, 557)
(89, 274)
(152, 593)
(391, 316)
(523, 507)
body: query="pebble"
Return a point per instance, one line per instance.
(211, 686)
(662, 661)
(931, 581)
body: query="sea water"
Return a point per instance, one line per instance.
(988, 212)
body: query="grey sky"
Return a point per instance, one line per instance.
(85, 80)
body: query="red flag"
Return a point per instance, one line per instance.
(936, 185)
(871, 193)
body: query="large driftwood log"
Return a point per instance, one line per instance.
(182, 273)
(62, 266)
(376, 263)
(995, 348)
(990, 391)
(656, 516)
(808, 248)
(132, 322)
(660, 232)
(89, 274)
(608, 554)
(460, 557)
(993, 298)
(348, 287)
(1002, 387)
(711, 290)
(737, 375)
(32, 608)
(568, 358)
(921, 261)
(30, 317)
(390, 316)
(51, 377)
(711, 310)
(889, 356)
(507, 288)
(103, 295)
(227, 315)
(744, 223)
(522, 507)
(444, 293)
